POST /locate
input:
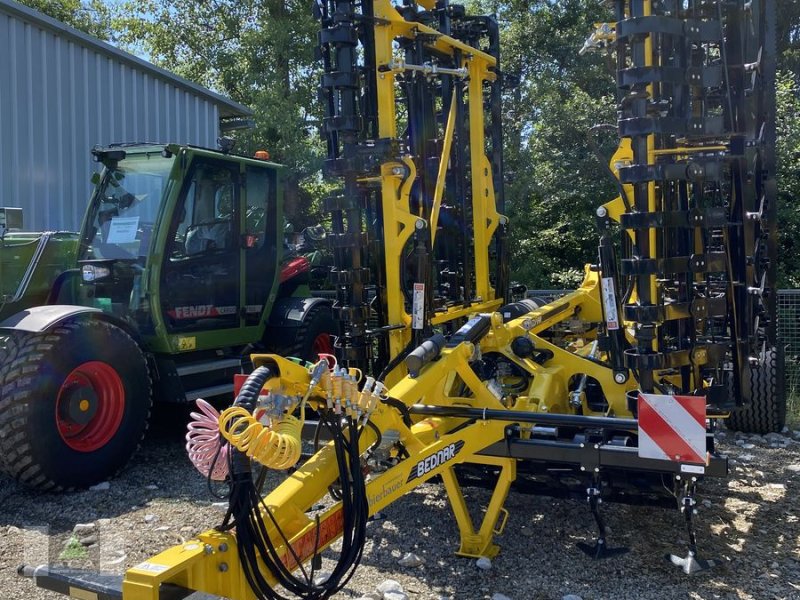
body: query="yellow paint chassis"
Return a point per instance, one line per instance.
(435, 445)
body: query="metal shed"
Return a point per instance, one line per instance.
(62, 92)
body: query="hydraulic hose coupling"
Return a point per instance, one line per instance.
(337, 388)
(342, 394)
(373, 391)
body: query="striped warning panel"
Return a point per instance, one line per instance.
(672, 428)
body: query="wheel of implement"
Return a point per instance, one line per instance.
(74, 404)
(314, 336)
(766, 411)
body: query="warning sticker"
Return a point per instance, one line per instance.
(314, 540)
(418, 307)
(186, 343)
(609, 303)
(151, 567)
(81, 594)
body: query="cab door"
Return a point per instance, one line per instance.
(200, 278)
(260, 240)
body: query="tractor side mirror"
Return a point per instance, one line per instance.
(95, 179)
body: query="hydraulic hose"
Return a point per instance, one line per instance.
(246, 399)
(347, 412)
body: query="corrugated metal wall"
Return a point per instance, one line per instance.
(59, 98)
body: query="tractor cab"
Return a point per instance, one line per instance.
(182, 243)
(180, 276)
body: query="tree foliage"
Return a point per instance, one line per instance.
(788, 154)
(788, 34)
(92, 16)
(555, 181)
(261, 53)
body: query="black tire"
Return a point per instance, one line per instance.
(74, 404)
(766, 412)
(308, 336)
(7, 348)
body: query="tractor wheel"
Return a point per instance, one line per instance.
(314, 336)
(766, 412)
(74, 404)
(8, 344)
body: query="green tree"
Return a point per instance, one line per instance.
(788, 36)
(259, 53)
(92, 16)
(788, 154)
(555, 182)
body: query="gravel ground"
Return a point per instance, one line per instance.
(749, 522)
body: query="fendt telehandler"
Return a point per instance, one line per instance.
(181, 272)
(613, 390)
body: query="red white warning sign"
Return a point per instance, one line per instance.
(672, 428)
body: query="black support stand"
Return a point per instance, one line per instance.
(600, 548)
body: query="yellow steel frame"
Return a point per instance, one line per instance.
(210, 563)
(397, 177)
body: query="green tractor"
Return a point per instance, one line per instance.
(181, 272)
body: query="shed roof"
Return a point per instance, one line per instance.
(226, 106)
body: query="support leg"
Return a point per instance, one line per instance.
(599, 549)
(480, 543)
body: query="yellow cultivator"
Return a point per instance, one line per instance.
(611, 391)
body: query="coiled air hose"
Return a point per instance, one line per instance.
(277, 446)
(204, 445)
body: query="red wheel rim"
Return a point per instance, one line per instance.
(90, 406)
(322, 344)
